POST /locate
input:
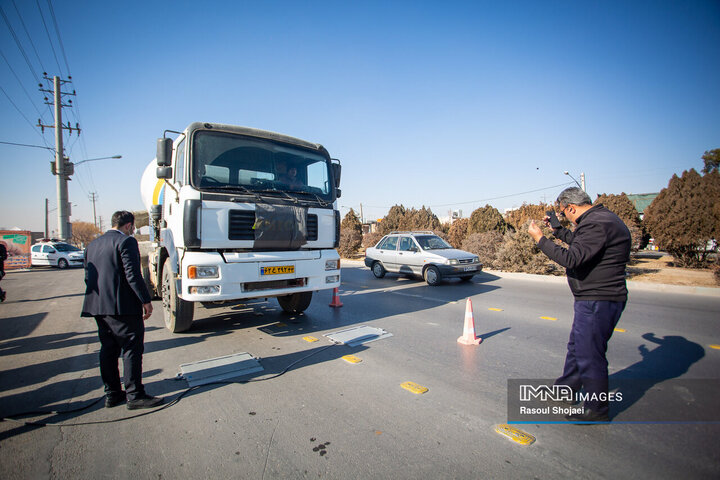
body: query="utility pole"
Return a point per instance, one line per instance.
(93, 197)
(61, 170)
(46, 219)
(362, 219)
(582, 180)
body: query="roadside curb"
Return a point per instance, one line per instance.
(631, 284)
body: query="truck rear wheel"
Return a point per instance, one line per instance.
(296, 302)
(177, 312)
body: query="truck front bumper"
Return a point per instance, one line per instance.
(259, 274)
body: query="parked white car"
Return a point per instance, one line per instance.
(423, 254)
(56, 254)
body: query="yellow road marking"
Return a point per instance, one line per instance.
(621, 330)
(310, 339)
(715, 347)
(496, 309)
(549, 318)
(414, 387)
(352, 359)
(514, 434)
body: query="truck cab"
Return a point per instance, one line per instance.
(240, 213)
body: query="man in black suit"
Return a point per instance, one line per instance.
(117, 297)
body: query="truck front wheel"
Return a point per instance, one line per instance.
(177, 312)
(296, 302)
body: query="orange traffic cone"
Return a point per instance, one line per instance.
(469, 337)
(336, 303)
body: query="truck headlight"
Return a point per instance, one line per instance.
(202, 272)
(205, 290)
(452, 261)
(332, 264)
(332, 279)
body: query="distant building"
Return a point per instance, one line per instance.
(641, 201)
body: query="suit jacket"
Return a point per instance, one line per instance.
(113, 277)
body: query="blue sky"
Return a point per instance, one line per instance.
(450, 105)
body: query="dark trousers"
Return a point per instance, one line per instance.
(121, 335)
(586, 365)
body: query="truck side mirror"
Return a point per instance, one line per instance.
(337, 171)
(164, 152)
(164, 172)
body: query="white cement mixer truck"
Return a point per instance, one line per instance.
(238, 213)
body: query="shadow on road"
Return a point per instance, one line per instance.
(671, 359)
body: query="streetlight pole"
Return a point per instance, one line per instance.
(582, 178)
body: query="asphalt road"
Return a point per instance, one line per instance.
(328, 418)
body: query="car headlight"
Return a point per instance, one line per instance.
(476, 259)
(196, 272)
(452, 261)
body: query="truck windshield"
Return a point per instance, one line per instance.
(223, 160)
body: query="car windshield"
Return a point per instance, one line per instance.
(432, 242)
(225, 161)
(64, 247)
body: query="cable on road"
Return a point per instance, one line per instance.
(173, 402)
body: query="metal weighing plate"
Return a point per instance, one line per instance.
(358, 335)
(220, 368)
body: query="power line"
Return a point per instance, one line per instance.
(42, 17)
(17, 42)
(57, 31)
(503, 196)
(20, 82)
(28, 35)
(21, 113)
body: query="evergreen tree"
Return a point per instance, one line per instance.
(684, 218)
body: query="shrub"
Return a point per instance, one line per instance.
(371, 239)
(519, 253)
(485, 219)
(485, 246)
(458, 233)
(519, 217)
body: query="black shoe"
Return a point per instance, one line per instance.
(144, 401)
(588, 416)
(114, 399)
(2, 296)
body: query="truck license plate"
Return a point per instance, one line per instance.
(279, 270)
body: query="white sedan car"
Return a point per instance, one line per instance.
(56, 254)
(423, 254)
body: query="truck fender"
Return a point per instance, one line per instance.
(169, 243)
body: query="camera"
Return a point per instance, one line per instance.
(554, 222)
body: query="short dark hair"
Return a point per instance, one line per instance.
(122, 218)
(574, 196)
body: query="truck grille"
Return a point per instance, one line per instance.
(241, 225)
(312, 228)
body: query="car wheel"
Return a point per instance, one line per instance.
(378, 270)
(62, 263)
(432, 276)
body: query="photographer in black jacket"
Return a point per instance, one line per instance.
(598, 251)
